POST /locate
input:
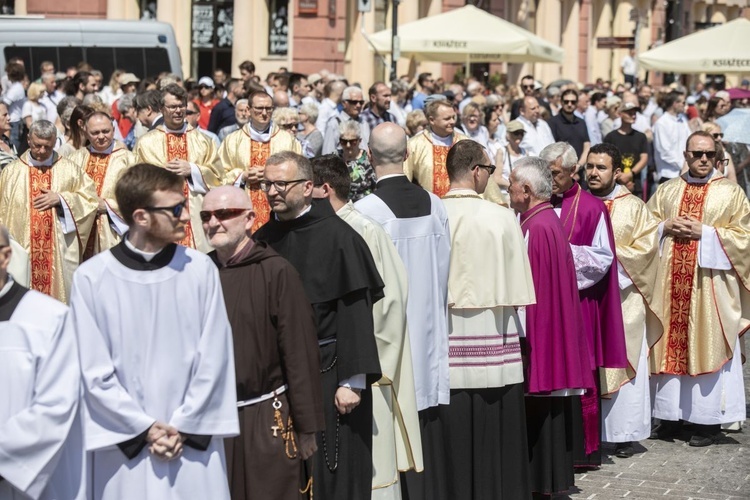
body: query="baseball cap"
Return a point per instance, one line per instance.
(514, 126)
(627, 106)
(314, 78)
(612, 100)
(205, 80)
(127, 78)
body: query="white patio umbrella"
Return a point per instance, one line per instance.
(721, 49)
(468, 35)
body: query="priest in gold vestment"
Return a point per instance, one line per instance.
(49, 205)
(703, 290)
(396, 440)
(626, 403)
(185, 151)
(425, 164)
(103, 160)
(244, 153)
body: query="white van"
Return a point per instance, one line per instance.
(145, 48)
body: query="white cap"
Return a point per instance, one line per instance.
(205, 80)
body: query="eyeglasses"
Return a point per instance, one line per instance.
(222, 214)
(175, 107)
(289, 126)
(349, 142)
(489, 168)
(527, 86)
(191, 113)
(204, 87)
(718, 135)
(175, 210)
(569, 101)
(260, 109)
(699, 154)
(354, 102)
(280, 186)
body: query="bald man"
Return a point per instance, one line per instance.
(538, 134)
(41, 438)
(276, 354)
(417, 222)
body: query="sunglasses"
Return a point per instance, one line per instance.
(260, 109)
(175, 210)
(349, 142)
(289, 126)
(569, 101)
(354, 102)
(489, 168)
(527, 86)
(190, 113)
(718, 135)
(222, 214)
(203, 87)
(699, 154)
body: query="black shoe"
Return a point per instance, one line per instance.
(700, 441)
(624, 450)
(665, 430)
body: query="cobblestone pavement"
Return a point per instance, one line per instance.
(674, 470)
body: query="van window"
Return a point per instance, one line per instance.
(141, 61)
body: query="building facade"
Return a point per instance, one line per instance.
(310, 35)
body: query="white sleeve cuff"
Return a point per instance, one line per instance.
(115, 221)
(67, 221)
(197, 184)
(355, 382)
(711, 254)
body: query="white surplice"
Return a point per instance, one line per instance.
(41, 434)
(592, 262)
(155, 345)
(424, 246)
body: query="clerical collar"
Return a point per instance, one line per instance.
(572, 191)
(8, 284)
(107, 151)
(698, 180)
(390, 176)
(181, 130)
(259, 136)
(303, 212)
(135, 259)
(612, 194)
(46, 163)
(443, 141)
(147, 256)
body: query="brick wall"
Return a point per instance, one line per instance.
(90, 9)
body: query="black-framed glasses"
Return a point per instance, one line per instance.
(260, 109)
(174, 210)
(355, 102)
(723, 162)
(222, 214)
(175, 107)
(489, 168)
(349, 142)
(699, 154)
(527, 86)
(280, 186)
(570, 101)
(718, 135)
(191, 113)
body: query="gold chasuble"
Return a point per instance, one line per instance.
(54, 248)
(104, 169)
(240, 151)
(635, 232)
(160, 146)
(426, 164)
(704, 310)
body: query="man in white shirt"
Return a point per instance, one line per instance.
(538, 134)
(670, 133)
(329, 107)
(629, 68)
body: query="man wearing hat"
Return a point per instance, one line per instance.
(315, 96)
(128, 83)
(633, 146)
(206, 101)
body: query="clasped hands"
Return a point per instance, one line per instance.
(179, 167)
(684, 228)
(253, 175)
(165, 442)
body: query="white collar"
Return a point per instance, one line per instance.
(45, 163)
(5, 289)
(259, 136)
(107, 151)
(612, 194)
(147, 256)
(181, 130)
(390, 176)
(443, 141)
(698, 180)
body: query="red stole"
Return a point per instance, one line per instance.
(440, 182)
(177, 149)
(96, 168)
(259, 153)
(684, 260)
(41, 235)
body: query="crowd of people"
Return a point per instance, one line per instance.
(281, 288)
